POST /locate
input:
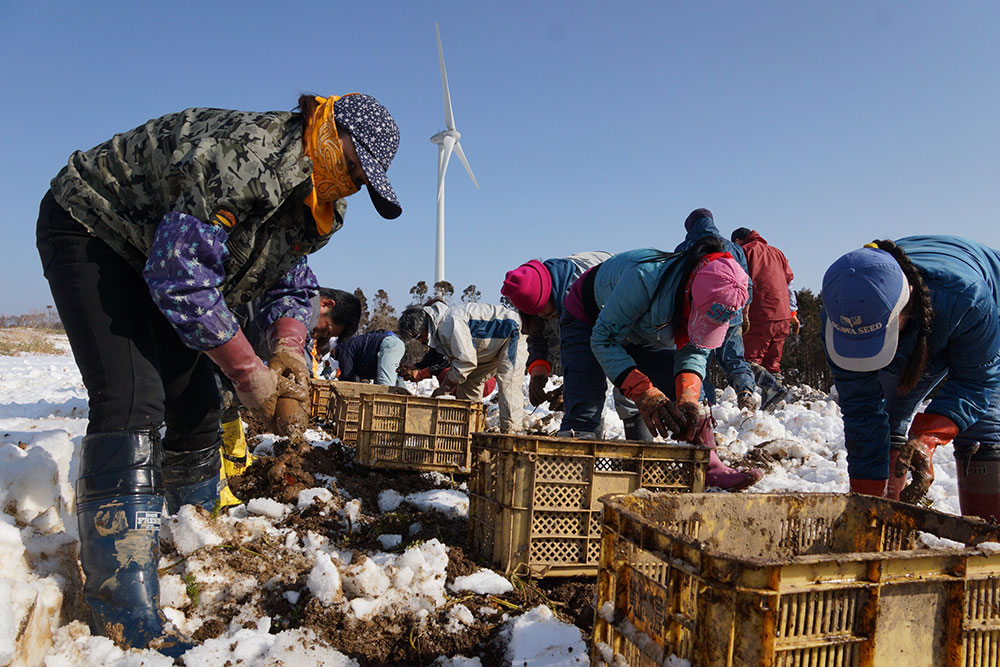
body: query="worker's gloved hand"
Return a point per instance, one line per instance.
(662, 417)
(745, 400)
(795, 325)
(687, 386)
(413, 374)
(256, 385)
(539, 377)
(445, 389)
(745, 324)
(287, 338)
(926, 432)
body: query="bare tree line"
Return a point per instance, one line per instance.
(36, 319)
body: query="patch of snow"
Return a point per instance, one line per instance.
(447, 501)
(458, 661)
(390, 541)
(935, 542)
(267, 507)
(539, 639)
(189, 531)
(459, 617)
(307, 497)
(484, 582)
(389, 500)
(324, 580)
(257, 646)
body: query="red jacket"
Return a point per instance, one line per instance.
(770, 274)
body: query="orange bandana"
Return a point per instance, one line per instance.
(331, 178)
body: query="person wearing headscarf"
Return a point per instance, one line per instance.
(149, 241)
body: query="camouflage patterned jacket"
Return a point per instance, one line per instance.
(208, 205)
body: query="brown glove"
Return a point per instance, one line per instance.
(688, 388)
(288, 357)
(661, 415)
(926, 432)
(795, 325)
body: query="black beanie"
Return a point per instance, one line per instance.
(696, 215)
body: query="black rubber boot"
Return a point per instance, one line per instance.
(636, 429)
(192, 477)
(119, 498)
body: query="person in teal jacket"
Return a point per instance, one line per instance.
(623, 315)
(899, 320)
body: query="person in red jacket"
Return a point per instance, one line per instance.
(772, 311)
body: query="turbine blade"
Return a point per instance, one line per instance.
(449, 117)
(443, 157)
(461, 156)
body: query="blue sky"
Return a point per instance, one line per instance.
(589, 125)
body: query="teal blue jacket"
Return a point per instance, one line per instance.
(636, 297)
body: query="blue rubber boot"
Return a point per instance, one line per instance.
(771, 389)
(119, 504)
(192, 477)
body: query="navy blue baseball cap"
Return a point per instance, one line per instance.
(863, 294)
(376, 139)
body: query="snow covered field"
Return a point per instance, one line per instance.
(43, 415)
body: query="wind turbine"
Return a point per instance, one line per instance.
(447, 141)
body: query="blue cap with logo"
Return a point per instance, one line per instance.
(863, 294)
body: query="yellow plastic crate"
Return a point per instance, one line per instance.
(320, 395)
(346, 406)
(793, 579)
(337, 402)
(416, 432)
(534, 500)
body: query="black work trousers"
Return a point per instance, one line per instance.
(136, 369)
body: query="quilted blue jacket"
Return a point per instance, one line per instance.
(635, 308)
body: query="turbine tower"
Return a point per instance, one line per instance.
(447, 141)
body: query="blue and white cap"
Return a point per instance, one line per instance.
(863, 294)
(376, 139)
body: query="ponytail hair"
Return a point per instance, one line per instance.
(917, 310)
(693, 255)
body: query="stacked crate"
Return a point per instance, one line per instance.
(534, 500)
(416, 432)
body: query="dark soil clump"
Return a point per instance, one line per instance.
(460, 565)
(574, 599)
(292, 469)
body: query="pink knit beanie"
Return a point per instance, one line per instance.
(528, 287)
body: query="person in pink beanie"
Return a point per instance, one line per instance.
(537, 290)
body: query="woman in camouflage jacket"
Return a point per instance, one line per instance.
(148, 241)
